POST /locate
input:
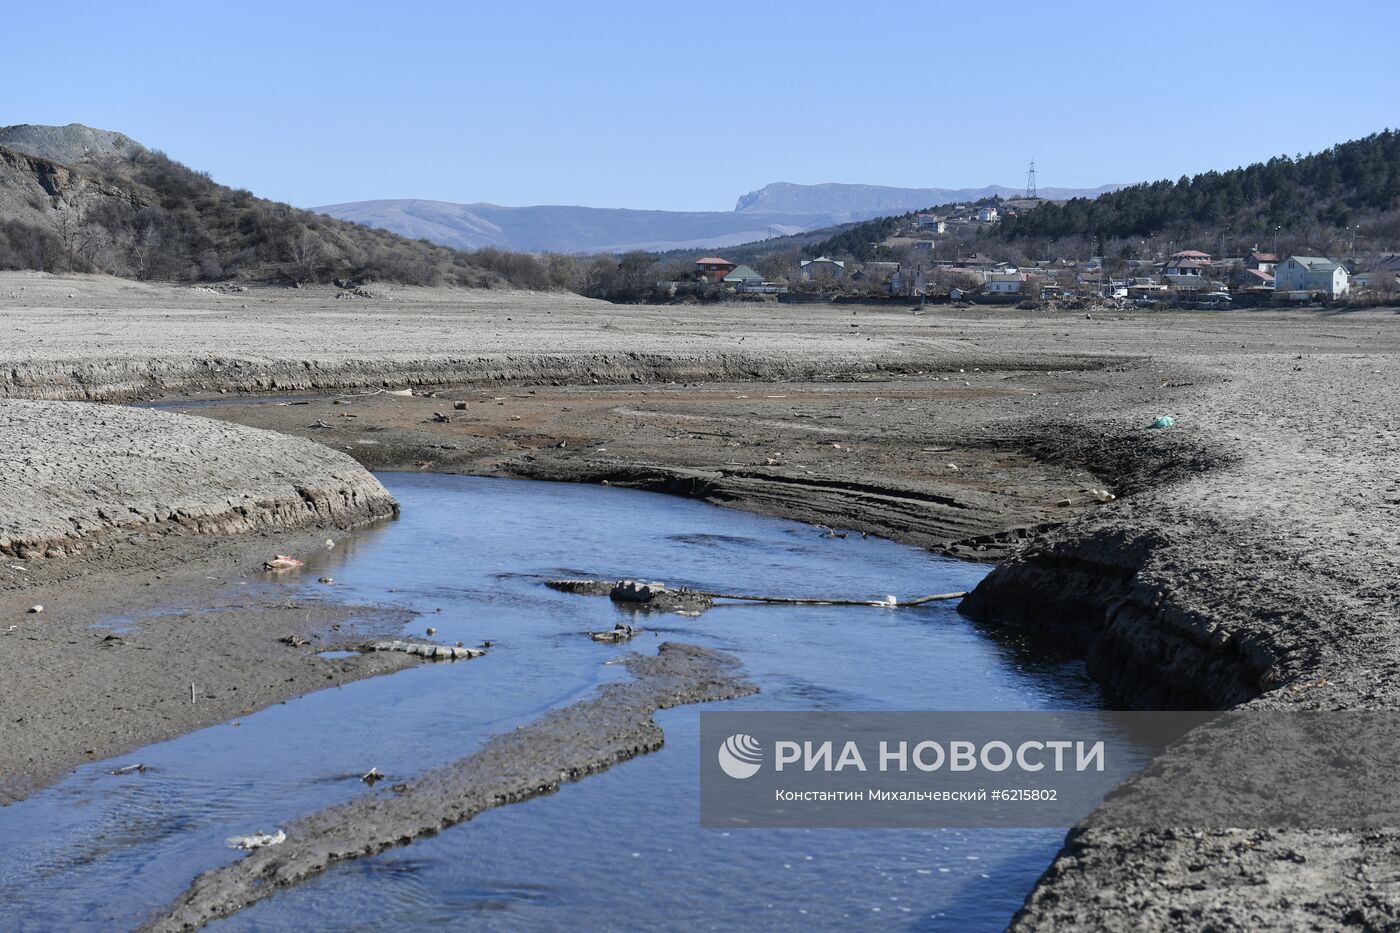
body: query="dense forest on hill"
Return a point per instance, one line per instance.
(1340, 202)
(1353, 184)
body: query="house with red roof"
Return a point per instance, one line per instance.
(1187, 269)
(714, 268)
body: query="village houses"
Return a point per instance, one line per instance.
(1301, 277)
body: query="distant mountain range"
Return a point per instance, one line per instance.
(560, 229)
(778, 209)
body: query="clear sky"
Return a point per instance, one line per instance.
(689, 105)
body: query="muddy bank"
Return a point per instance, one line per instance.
(80, 477)
(563, 745)
(934, 461)
(124, 655)
(109, 519)
(101, 339)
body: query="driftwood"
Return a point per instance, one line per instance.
(634, 592)
(888, 602)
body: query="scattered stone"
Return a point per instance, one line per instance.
(439, 418)
(34, 610)
(296, 641)
(423, 650)
(459, 406)
(636, 591)
(622, 632)
(325, 580)
(1063, 503)
(431, 631)
(129, 769)
(372, 777)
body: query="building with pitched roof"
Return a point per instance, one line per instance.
(714, 268)
(1310, 275)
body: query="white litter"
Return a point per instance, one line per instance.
(257, 840)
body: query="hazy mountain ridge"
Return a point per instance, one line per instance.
(567, 229)
(779, 209)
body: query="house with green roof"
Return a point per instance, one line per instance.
(743, 275)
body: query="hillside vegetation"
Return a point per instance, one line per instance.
(116, 207)
(1311, 199)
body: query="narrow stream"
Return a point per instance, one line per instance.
(619, 850)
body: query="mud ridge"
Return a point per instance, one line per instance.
(134, 379)
(80, 476)
(563, 745)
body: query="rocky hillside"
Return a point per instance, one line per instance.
(73, 198)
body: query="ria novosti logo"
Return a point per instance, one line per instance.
(740, 756)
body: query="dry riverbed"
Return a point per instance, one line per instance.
(1249, 554)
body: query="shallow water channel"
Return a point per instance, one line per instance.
(618, 850)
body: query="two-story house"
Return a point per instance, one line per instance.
(1302, 276)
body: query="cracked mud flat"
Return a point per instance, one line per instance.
(1250, 557)
(563, 745)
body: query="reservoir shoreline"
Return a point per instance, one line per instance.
(1243, 558)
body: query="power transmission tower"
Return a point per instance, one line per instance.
(1030, 183)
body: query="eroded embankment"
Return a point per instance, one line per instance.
(1255, 571)
(128, 379)
(78, 476)
(563, 745)
(1119, 585)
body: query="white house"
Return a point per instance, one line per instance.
(987, 214)
(1004, 283)
(931, 222)
(822, 267)
(908, 282)
(1310, 275)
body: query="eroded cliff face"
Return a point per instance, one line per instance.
(79, 475)
(1110, 592)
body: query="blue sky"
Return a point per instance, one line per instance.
(688, 106)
